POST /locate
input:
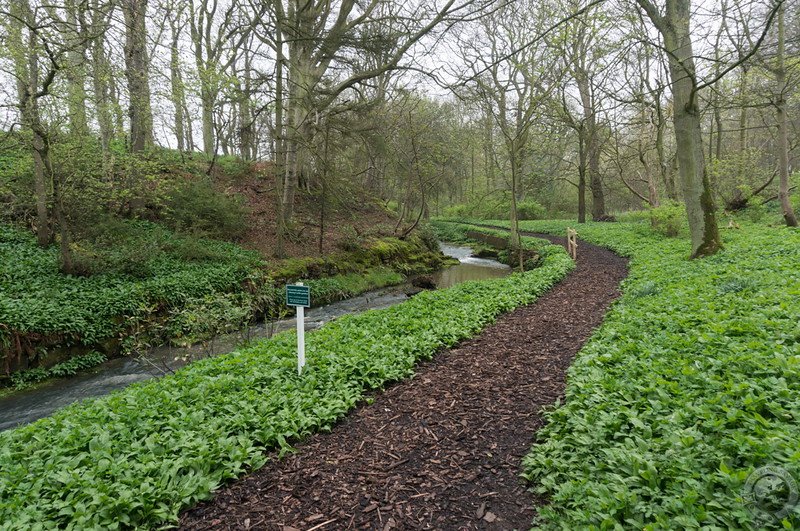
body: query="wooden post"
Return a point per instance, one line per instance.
(572, 243)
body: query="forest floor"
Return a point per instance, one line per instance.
(441, 450)
(341, 218)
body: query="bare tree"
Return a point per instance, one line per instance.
(512, 88)
(674, 26)
(215, 39)
(585, 55)
(318, 33)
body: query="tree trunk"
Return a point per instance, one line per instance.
(42, 171)
(114, 102)
(592, 143)
(581, 179)
(663, 164)
(246, 133)
(67, 263)
(783, 133)
(176, 82)
(26, 66)
(595, 181)
(743, 88)
(674, 27)
(190, 144)
(43, 230)
(514, 156)
(718, 122)
(103, 103)
(137, 73)
(298, 131)
(74, 73)
(280, 143)
(300, 30)
(688, 136)
(652, 182)
(207, 116)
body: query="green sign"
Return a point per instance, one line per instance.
(298, 295)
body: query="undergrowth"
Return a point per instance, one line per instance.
(136, 457)
(35, 297)
(72, 366)
(691, 385)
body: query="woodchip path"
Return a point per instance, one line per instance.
(441, 450)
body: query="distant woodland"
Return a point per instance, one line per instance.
(477, 108)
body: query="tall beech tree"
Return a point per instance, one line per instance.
(673, 24)
(137, 73)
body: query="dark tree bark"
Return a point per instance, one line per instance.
(137, 66)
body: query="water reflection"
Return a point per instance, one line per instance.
(469, 268)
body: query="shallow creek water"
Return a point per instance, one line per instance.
(28, 406)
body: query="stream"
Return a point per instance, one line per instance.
(28, 406)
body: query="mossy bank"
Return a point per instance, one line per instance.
(181, 287)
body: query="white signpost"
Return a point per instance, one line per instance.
(299, 296)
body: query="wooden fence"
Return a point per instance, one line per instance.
(572, 243)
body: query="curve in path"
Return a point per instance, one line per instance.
(441, 450)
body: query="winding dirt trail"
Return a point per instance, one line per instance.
(442, 450)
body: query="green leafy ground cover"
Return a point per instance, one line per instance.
(71, 367)
(135, 458)
(161, 286)
(459, 233)
(690, 385)
(35, 297)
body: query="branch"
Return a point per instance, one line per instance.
(633, 190)
(392, 63)
(744, 58)
(527, 44)
(774, 197)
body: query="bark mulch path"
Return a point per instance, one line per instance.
(441, 450)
